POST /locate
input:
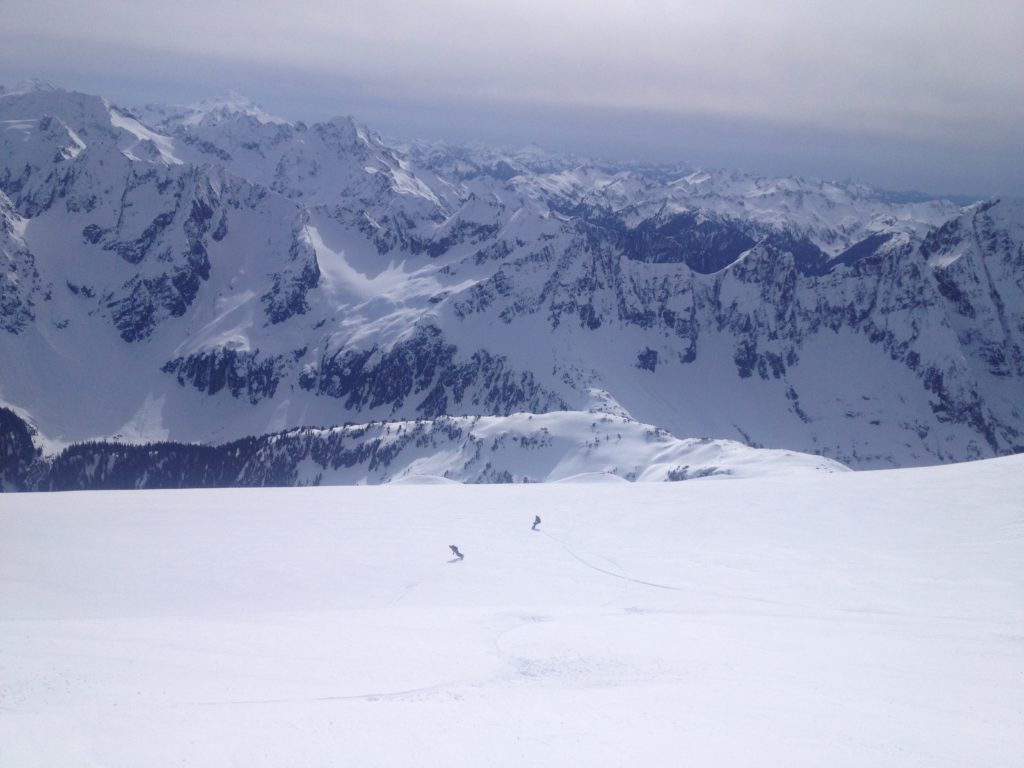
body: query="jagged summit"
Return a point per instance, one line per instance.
(29, 85)
(210, 112)
(211, 274)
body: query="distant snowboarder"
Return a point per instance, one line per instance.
(455, 551)
(536, 522)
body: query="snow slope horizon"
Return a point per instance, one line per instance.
(852, 619)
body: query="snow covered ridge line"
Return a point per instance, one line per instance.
(522, 448)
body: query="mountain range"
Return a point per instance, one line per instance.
(210, 275)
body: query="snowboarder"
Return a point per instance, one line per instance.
(536, 522)
(455, 551)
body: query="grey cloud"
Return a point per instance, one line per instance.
(941, 73)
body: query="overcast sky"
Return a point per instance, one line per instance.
(925, 94)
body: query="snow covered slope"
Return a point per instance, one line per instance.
(848, 620)
(213, 272)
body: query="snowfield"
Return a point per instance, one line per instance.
(814, 619)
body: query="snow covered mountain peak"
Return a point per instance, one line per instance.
(211, 112)
(218, 274)
(29, 85)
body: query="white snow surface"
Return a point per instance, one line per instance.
(159, 146)
(842, 620)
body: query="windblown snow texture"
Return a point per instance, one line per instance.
(844, 620)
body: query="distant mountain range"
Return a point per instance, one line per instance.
(211, 273)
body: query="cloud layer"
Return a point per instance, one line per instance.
(930, 70)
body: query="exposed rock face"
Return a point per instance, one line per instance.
(426, 371)
(243, 374)
(20, 285)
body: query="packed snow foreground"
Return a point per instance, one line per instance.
(810, 619)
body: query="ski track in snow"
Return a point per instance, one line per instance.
(309, 700)
(732, 596)
(620, 575)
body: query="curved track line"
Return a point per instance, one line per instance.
(727, 595)
(312, 699)
(621, 575)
